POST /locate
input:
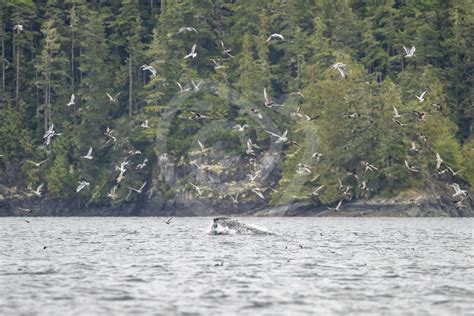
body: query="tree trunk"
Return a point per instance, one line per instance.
(17, 88)
(3, 62)
(130, 86)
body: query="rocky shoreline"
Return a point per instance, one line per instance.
(413, 204)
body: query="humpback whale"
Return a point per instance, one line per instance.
(230, 226)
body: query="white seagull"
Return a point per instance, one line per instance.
(410, 168)
(18, 28)
(181, 89)
(192, 54)
(142, 165)
(71, 101)
(280, 138)
(240, 128)
(204, 150)
(396, 114)
(196, 86)
(409, 52)
(268, 101)
(187, 29)
(250, 147)
(342, 69)
(140, 190)
(112, 194)
(37, 192)
(439, 161)
(275, 35)
(226, 51)
(88, 155)
(454, 173)
(145, 124)
(113, 99)
(37, 164)
(457, 190)
(199, 189)
(258, 192)
(337, 208)
(82, 185)
(316, 192)
(150, 69)
(421, 96)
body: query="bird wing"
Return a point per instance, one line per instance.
(395, 111)
(339, 205)
(110, 97)
(406, 50)
(179, 85)
(38, 189)
(265, 95)
(201, 145)
(422, 95)
(284, 134)
(193, 49)
(407, 165)
(89, 153)
(273, 134)
(143, 185)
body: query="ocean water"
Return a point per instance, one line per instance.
(312, 266)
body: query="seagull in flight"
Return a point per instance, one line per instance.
(192, 54)
(421, 96)
(112, 194)
(187, 29)
(352, 115)
(142, 165)
(275, 35)
(280, 138)
(88, 155)
(235, 199)
(121, 170)
(82, 185)
(204, 150)
(167, 222)
(250, 147)
(145, 124)
(454, 173)
(439, 161)
(26, 210)
(317, 155)
(196, 86)
(37, 164)
(108, 133)
(409, 52)
(420, 116)
(217, 64)
(258, 192)
(302, 169)
(48, 135)
(134, 152)
(410, 168)
(240, 128)
(226, 51)
(197, 116)
(199, 189)
(316, 191)
(18, 28)
(150, 69)
(140, 190)
(37, 192)
(396, 114)
(368, 166)
(337, 208)
(298, 93)
(71, 101)
(181, 89)
(398, 122)
(268, 101)
(113, 99)
(342, 69)
(457, 190)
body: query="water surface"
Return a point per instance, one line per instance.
(136, 266)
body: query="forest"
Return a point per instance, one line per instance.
(276, 101)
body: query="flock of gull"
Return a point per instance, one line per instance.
(459, 194)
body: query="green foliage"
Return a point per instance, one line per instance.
(94, 48)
